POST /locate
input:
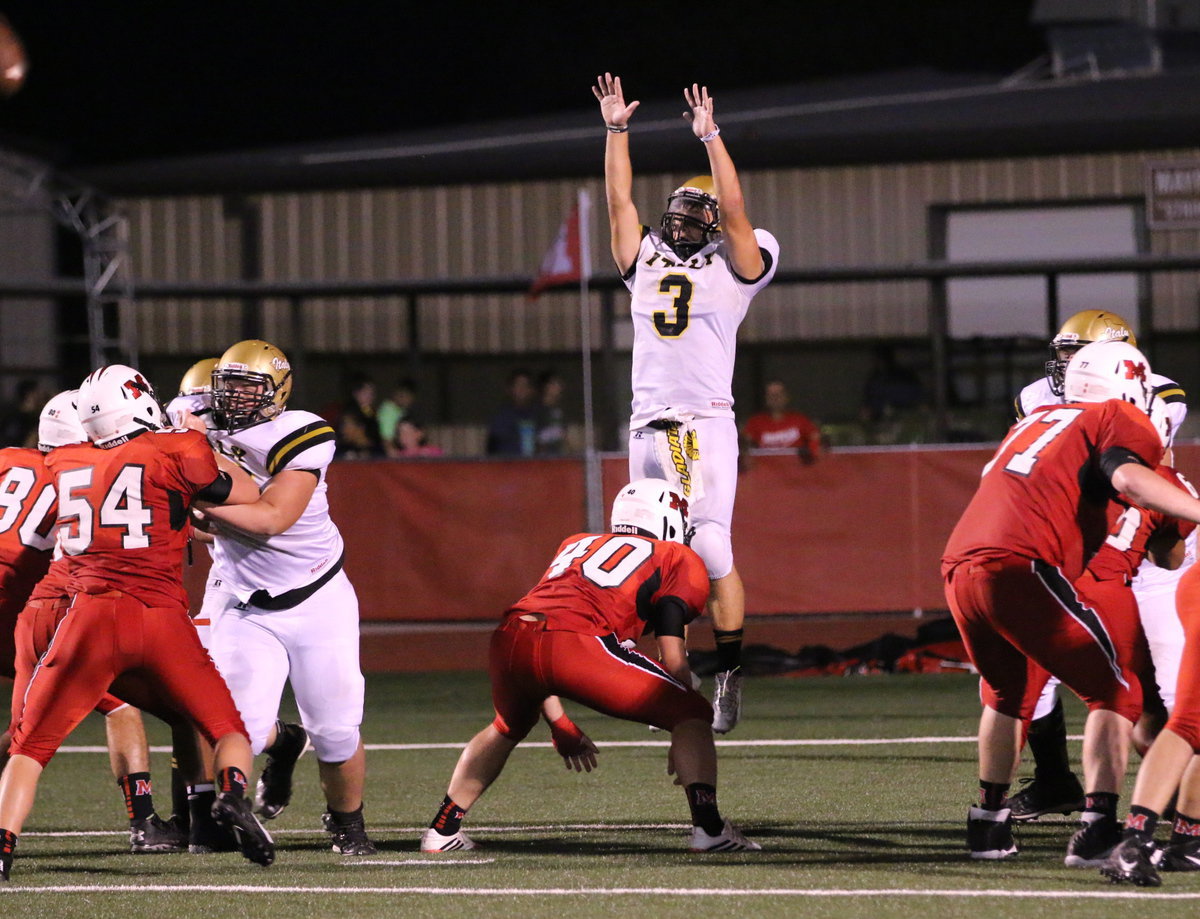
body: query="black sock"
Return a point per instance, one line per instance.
(1141, 824)
(139, 797)
(179, 796)
(8, 842)
(1185, 829)
(449, 818)
(702, 800)
(1048, 744)
(1102, 803)
(231, 781)
(729, 649)
(992, 795)
(346, 818)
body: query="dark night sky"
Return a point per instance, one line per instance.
(124, 80)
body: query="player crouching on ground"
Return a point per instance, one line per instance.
(572, 636)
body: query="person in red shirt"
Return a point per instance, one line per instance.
(776, 427)
(572, 635)
(122, 515)
(1010, 566)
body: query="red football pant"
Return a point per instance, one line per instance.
(104, 636)
(1013, 610)
(1185, 717)
(528, 662)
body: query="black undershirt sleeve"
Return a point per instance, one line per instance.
(668, 617)
(216, 491)
(1115, 457)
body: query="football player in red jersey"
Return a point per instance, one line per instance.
(44, 607)
(122, 515)
(1009, 568)
(572, 636)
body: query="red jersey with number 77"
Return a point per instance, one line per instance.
(1044, 494)
(607, 584)
(123, 512)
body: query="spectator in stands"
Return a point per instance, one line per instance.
(775, 426)
(358, 426)
(396, 407)
(19, 424)
(551, 425)
(513, 430)
(410, 440)
(891, 388)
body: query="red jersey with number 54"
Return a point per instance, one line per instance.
(123, 512)
(608, 584)
(1044, 494)
(26, 520)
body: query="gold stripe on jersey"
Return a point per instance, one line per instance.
(1171, 392)
(318, 432)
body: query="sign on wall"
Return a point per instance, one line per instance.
(1173, 195)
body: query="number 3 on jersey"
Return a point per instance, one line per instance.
(610, 565)
(679, 288)
(121, 507)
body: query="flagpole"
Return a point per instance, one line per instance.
(591, 458)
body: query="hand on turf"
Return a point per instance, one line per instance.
(701, 114)
(612, 101)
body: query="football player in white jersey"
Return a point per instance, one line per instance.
(691, 280)
(280, 606)
(195, 393)
(1054, 787)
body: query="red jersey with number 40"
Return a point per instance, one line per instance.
(123, 512)
(26, 520)
(1044, 495)
(608, 584)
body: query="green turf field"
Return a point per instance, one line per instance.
(848, 830)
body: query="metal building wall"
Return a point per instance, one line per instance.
(860, 215)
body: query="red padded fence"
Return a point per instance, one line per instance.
(459, 541)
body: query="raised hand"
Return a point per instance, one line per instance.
(701, 105)
(612, 101)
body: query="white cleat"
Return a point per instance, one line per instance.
(727, 700)
(730, 840)
(433, 841)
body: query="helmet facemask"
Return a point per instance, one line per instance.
(241, 398)
(691, 221)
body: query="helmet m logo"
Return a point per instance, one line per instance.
(137, 387)
(1134, 371)
(678, 503)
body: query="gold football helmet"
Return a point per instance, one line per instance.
(198, 380)
(692, 219)
(250, 384)
(1082, 329)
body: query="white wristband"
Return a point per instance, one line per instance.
(710, 136)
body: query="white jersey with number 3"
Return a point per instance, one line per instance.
(686, 314)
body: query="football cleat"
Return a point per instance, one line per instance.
(1092, 843)
(1041, 796)
(989, 834)
(1181, 856)
(153, 834)
(274, 789)
(433, 841)
(253, 840)
(350, 838)
(727, 700)
(1133, 862)
(730, 839)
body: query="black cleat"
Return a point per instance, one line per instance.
(1132, 862)
(989, 834)
(1181, 856)
(1041, 796)
(253, 840)
(153, 834)
(1092, 843)
(349, 838)
(274, 790)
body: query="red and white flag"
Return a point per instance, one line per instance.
(564, 262)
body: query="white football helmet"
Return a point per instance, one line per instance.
(650, 507)
(1107, 370)
(1161, 418)
(116, 402)
(58, 424)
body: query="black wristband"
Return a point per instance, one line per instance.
(617, 128)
